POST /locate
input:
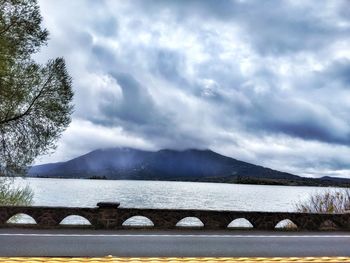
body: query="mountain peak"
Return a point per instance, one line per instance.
(185, 150)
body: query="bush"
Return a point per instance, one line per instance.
(14, 195)
(330, 201)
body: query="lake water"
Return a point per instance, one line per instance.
(156, 194)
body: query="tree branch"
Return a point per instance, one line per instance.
(27, 111)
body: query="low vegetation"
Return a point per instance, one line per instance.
(331, 201)
(14, 195)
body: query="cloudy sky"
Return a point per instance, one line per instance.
(266, 82)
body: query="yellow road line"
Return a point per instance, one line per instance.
(111, 259)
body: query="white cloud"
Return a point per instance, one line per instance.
(83, 136)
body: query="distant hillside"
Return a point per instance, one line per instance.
(170, 165)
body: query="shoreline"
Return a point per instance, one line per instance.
(307, 182)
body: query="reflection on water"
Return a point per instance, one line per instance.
(155, 194)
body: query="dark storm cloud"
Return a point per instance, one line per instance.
(225, 9)
(307, 128)
(169, 64)
(136, 111)
(272, 27)
(108, 27)
(281, 114)
(136, 105)
(340, 71)
(343, 9)
(283, 28)
(102, 56)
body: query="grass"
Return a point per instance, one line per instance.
(14, 195)
(330, 201)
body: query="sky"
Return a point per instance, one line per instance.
(267, 82)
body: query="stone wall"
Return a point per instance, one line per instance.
(111, 216)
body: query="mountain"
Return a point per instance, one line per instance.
(128, 163)
(170, 165)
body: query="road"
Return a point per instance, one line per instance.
(138, 243)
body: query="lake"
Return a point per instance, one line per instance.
(156, 194)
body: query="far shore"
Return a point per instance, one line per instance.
(304, 181)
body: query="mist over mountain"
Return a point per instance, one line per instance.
(128, 163)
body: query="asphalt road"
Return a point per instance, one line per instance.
(28, 242)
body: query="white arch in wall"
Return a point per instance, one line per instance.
(190, 221)
(75, 220)
(286, 224)
(21, 218)
(138, 221)
(240, 223)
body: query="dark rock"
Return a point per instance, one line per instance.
(108, 204)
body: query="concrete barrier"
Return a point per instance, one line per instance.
(111, 216)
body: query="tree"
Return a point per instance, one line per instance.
(35, 100)
(20, 32)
